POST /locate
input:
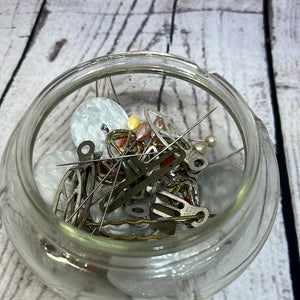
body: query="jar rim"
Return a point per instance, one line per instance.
(152, 62)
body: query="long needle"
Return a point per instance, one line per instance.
(186, 132)
(228, 156)
(95, 189)
(115, 181)
(92, 192)
(114, 91)
(104, 159)
(97, 90)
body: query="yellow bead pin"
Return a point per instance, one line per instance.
(133, 122)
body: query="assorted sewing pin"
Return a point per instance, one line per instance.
(134, 181)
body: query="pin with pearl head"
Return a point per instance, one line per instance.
(201, 146)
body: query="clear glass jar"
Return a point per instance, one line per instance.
(194, 264)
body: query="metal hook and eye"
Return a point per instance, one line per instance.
(180, 207)
(75, 186)
(167, 156)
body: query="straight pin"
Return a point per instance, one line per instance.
(92, 192)
(186, 132)
(227, 156)
(115, 181)
(114, 91)
(97, 89)
(105, 159)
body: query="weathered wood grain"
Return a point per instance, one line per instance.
(251, 6)
(231, 42)
(286, 61)
(72, 31)
(221, 36)
(16, 22)
(93, 29)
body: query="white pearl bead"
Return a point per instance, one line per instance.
(210, 141)
(200, 147)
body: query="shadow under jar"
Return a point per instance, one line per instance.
(239, 186)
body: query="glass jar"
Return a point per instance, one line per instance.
(193, 264)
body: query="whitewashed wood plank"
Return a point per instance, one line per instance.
(214, 40)
(286, 62)
(72, 31)
(89, 30)
(231, 43)
(58, 47)
(251, 6)
(16, 22)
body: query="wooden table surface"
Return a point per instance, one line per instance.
(253, 44)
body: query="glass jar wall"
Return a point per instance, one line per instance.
(239, 186)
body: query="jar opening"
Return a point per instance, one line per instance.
(177, 88)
